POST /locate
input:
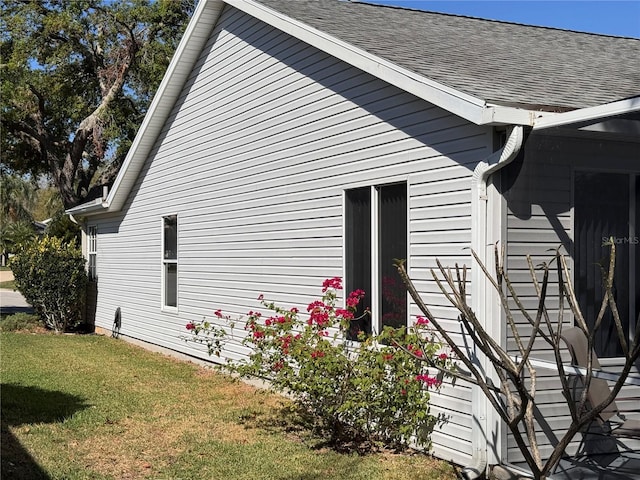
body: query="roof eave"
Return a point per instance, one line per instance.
(196, 35)
(193, 40)
(471, 108)
(89, 208)
(588, 114)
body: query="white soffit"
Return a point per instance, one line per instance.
(589, 115)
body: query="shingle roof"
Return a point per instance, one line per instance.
(504, 63)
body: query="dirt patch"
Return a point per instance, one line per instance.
(137, 448)
(134, 449)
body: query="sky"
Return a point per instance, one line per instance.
(615, 17)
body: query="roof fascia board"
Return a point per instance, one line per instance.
(95, 206)
(501, 115)
(588, 114)
(466, 106)
(189, 49)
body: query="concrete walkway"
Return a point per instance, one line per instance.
(11, 301)
(6, 276)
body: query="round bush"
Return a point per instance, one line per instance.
(52, 277)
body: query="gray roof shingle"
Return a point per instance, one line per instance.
(503, 63)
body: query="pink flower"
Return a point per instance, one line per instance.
(354, 298)
(323, 333)
(429, 380)
(190, 326)
(334, 283)
(352, 302)
(267, 322)
(218, 313)
(258, 335)
(346, 314)
(294, 310)
(415, 350)
(320, 317)
(422, 321)
(315, 305)
(317, 354)
(261, 297)
(443, 356)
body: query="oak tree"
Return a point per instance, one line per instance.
(77, 79)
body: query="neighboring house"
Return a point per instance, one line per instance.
(292, 141)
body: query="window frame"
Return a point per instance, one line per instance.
(374, 292)
(633, 240)
(166, 262)
(92, 253)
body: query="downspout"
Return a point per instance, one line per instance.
(481, 299)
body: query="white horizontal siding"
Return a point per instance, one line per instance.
(254, 160)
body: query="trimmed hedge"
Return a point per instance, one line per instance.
(52, 277)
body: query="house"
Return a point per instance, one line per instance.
(296, 140)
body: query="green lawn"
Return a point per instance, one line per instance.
(9, 284)
(91, 407)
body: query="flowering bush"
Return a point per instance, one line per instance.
(373, 390)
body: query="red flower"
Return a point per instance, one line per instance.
(354, 298)
(258, 335)
(261, 297)
(218, 313)
(317, 354)
(334, 283)
(443, 356)
(294, 310)
(321, 318)
(190, 326)
(429, 380)
(315, 305)
(415, 350)
(267, 322)
(346, 314)
(422, 321)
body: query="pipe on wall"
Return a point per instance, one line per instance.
(481, 300)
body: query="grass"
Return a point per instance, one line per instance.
(91, 407)
(24, 322)
(10, 284)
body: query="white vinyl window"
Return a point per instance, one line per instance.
(375, 235)
(170, 262)
(92, 252)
